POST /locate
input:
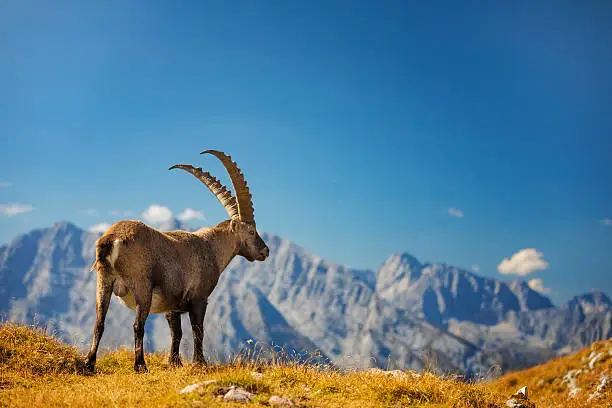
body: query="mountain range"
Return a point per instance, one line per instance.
(406, 314)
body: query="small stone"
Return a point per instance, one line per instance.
(237, 394)
(593, 360)
(390, 373)
(189, 388)
(520, 399)
(570, 380)
(604, 382)
(277, 401)
(521, 394)
(515, 403)
(458, 378)
(194, 387)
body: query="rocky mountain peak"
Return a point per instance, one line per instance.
(355, 317)
(593, 301)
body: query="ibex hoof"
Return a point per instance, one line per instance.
(89, 367)
(175, 361)
(201, 363)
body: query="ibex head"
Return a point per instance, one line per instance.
(252, 247)
(239, 208)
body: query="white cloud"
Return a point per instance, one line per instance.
(156, 214)
(455, 212)
(4, 184)
(607, 222)
(15, 209)
(99, 228)
(537, 284)
(189, 214)
(523, 263)
(90, 211)
(476, 268)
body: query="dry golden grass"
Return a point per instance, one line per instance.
(545, 382)
(37, 370)
(27, 352)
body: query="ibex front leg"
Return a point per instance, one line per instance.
(196, 315)
(174, 321)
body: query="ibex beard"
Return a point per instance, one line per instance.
(174, 272)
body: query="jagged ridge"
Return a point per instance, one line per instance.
(401, 315)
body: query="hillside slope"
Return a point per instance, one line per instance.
(38, 370)
(580, 379)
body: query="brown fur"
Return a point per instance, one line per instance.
(174, 271)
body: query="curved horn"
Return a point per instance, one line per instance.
(243, 195)
(223, 194)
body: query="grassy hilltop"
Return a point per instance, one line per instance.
(38, 370)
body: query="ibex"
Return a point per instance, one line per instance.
(174, 272)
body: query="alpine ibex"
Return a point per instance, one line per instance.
(174, 272)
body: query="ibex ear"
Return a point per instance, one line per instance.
(233, 225)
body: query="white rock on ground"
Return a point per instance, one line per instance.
(594, 359)
(604, 382)
(518, 398)
(522, 393)
(194, 387)
(281, 402)
(570, 380)
(512, 403)
(393, 373)
(237, 394)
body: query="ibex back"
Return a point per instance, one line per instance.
(174, 272)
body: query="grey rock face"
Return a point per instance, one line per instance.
(404, 315)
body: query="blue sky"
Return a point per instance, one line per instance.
(359, 125)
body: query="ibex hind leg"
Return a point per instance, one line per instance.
(174, 322)
(196, 315)
(142, 297)
(104, 292)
